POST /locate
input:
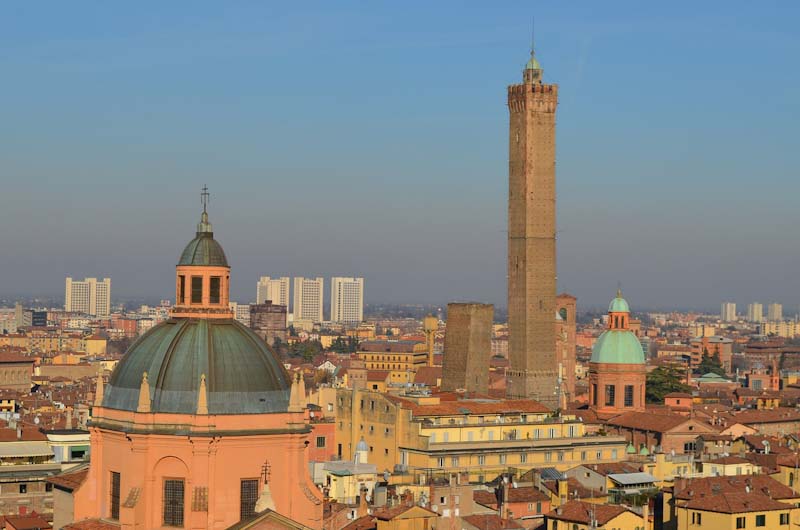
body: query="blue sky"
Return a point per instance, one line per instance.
(370, 139)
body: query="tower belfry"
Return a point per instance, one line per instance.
(533, 371)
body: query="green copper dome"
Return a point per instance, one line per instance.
(242, 374)
(618, 305)
(204, 250)
(617, 346)
(533, 64)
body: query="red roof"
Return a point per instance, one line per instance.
(92, 524)
(491, 521)
(582, 512)
(32, 521)
(70, 480)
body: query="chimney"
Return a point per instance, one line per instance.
(362, 503)
(646, 514)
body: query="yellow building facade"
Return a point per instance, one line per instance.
(423, 434)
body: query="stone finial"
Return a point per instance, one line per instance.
(295, 401)
(202, 396)
(301, 390)
(265, 500)
(144, 395)
(98, 393)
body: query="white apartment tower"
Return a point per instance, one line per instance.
(774, 312)
(308, 299)
(728, 312)
(90, 296)
(347, 300)
(275, 290)
(755, 312)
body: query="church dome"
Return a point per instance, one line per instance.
(242, 374)
(618, 305)
(617, 347)
(204, 250)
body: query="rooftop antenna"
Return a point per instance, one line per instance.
(533, 27)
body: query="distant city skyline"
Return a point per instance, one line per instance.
(395, 168)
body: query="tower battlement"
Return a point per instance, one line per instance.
(545, 97)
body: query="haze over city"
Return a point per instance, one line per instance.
(369, 140)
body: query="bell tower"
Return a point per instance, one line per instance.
(533, 371)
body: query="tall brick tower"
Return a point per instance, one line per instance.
(533, 371)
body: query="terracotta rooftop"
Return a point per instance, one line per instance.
(70, 480)
(757, 484)
(491, 521)
(92, 524)
(581, 512)
(31, 521)
(647, 421)
(740, 502)
(729, 460)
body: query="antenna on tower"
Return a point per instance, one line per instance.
(533, 27)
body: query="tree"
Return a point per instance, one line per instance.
(710, 363)
(663, 380)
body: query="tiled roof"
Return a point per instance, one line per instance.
(388, 514)
(491, 522)
(757, 485)
(71, 479)
(649, 422)
(736, 503)
(729, 460)
(32, 521)
(582, 512)
(92, 524)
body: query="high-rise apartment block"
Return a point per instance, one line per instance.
(308, 299)
(467, 347)
(90, 296)
(728, 312)
(774, 312)
(755, 312)
(276, 290)
(347, 300)
(533, 370)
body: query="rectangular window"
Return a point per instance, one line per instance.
(610, 395)
(523, 458)
(784, 518)
(320, 441)
(628, 395)
(761, 520)
(440, 461)
(454, 461)
(502, 459)
(23, 488)
(481, 460)
(115, 488)
(740, 522)
(197, 290)
(247, 498)
(182, 289)
(548, 456)
(214, 289)
(173, 498)
(594, 394)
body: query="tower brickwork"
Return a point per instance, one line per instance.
(467, 347)
(533, 371)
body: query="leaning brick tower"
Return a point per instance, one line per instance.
(533, 371)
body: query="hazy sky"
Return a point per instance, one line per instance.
(370, 139)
